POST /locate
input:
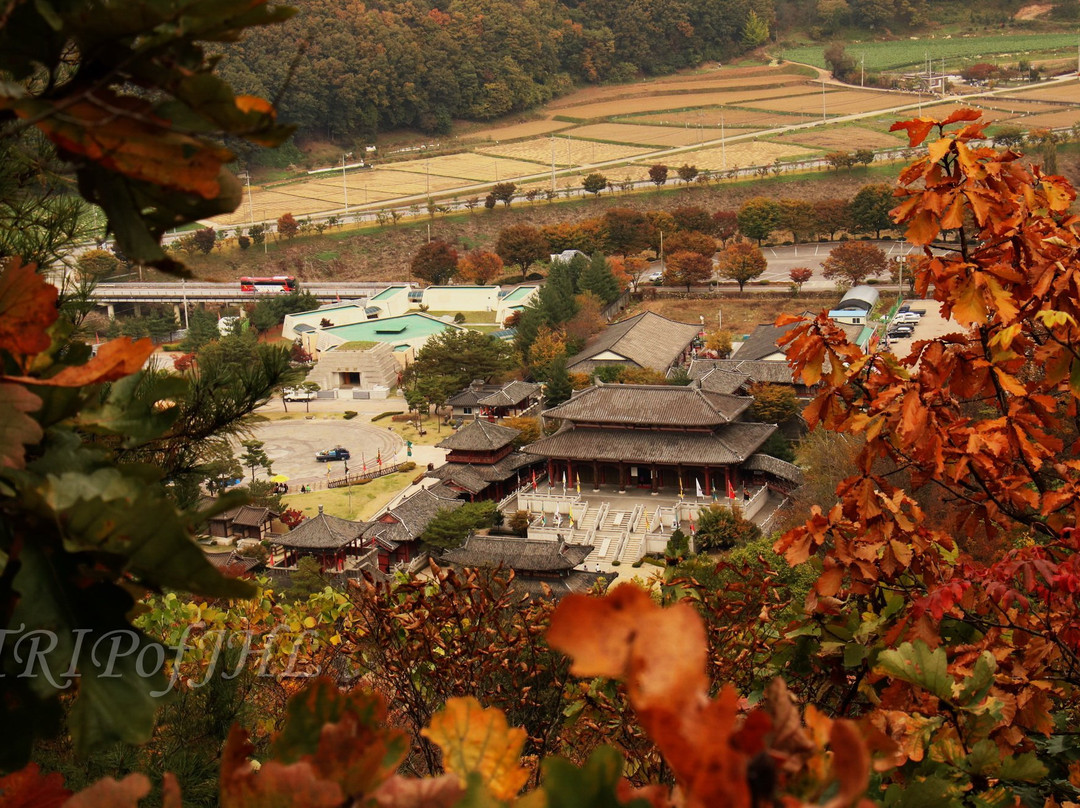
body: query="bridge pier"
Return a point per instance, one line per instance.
(138, 309)
(176, 313)
(110, 309)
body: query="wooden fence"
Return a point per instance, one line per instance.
(356, 479)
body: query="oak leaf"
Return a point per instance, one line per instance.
(17, 429)
(426, 792)
(29, 788)
(477, 739)
(110, 793)
(27, 310)
(115, 359)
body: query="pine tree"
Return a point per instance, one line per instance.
(598, 279)
(558, 387)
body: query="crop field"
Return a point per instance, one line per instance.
(661, 136)
(725, 78)
(653, 103)
(734, 118)
(842, 137)
(516, 131)
(752, 153)
(1065, 91)
(913, 53)
(839, 102)
(472, 167)
(568, 152)
(1051, 120)
(1015, 106)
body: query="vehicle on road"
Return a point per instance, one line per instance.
(298, 394)
(275, 284)
(337, 453)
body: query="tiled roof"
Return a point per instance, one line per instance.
(576, 582)
(471, 395)
(647, 340)
(323, 532)
(233, 562)
(480, 435)
(776, 467)
(728, 445)
(513, 393)
(658, 405)
(761, 342)
(539, 555)
(252, 516)
(769, 371)
(412, 515)
(474, 478)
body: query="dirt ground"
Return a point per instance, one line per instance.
(738, 314)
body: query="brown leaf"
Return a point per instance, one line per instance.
(850, 763)
(170, 792)
(27, 310)
(17, 429)
(428, 792)
(917, 129)
(274, 784)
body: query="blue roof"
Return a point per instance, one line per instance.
(389, 292)
(391, 329)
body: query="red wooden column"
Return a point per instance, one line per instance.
(551, 471)
(596, 475)
(708, 482)
(624, 477)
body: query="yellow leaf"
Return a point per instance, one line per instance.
(475, 739)
(309, 622)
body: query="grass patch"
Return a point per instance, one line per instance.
(327, 255)
(356, 345)
(432, 435)
(365, 499)
(481, 317)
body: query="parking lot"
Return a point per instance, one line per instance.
(929, 326)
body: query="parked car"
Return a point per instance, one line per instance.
(907, 317)
(337, 453)
(298, 394)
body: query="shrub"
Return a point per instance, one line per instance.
(459, 318)
(400, 417)
(382, 415)
(616, 563)
(350, 414)
(408, 465)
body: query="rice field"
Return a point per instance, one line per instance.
(912, 53)
(653, 103)
(733, 155)
(569, 152)
(473, 167)
(658, 136)
(734, 118)
(517, 131)
(838, 102)
(1051, 120)
(845, 137)
(1066, 91)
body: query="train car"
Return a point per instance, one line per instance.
(278, 284)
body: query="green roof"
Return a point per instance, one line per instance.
(391, 329)
(520, 293)
(390, 292)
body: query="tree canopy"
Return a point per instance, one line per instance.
(460, 355)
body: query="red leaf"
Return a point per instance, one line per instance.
(962, 114)
(17, 429)
(27, 788)
(27, 310)
(917, 129)
(110, 793)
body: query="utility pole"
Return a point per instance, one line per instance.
(553, 165)
(344, 183)
(862, 68)
(723, 141)
(823, 117)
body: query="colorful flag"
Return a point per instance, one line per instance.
(659, 521)
(543, 519)
(680, 487)
(730, 489)
(675, 521)
(697, 482)
(577, 484)
(648, 526)
(364, 461)
(714, 494)
(534, 479)
(564, 482)
(693, 530)
(378, 458)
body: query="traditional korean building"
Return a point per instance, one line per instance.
(647, 340)
(481, 462)
(656, 438)
(337, 543)
(494, 401)
(243, 522)
(396, 532)
(535, 562)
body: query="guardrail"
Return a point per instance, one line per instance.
(356, 479)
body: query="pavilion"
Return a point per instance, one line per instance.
(481, 462)
(656, 438)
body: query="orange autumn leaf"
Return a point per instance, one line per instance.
(110, 793)
(115, 359)
(252, 103)
(917, 129)
(850, 763)
(477, 739)
(29, 788)
(27, 310)
(241, 786)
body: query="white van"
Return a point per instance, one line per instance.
(298, 394)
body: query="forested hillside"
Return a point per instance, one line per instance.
(363, 68)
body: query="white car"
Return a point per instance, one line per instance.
(298, 394)
(906, 317)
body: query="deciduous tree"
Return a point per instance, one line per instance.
(799, 276)
(287, 225)
(435, 262)
(504, 192)
(658, 174)
(687, 172)
(853, 262)
(688, 268)
(479, 266)
(758, 217)
(741, 262)
(870, 209)
(594, 183)
(521, 245)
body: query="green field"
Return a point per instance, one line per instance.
(913, 53)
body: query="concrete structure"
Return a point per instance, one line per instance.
(515, 300)
(347, 313)
(359, 365)
(859, 298)
(462, 299)
(393, 300)
(400, 333)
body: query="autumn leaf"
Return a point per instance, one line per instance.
(115, 359)
(475, 739)
(29, 788)
(17, 429)
(241, 786)
(427, 792)
(110, 793)
(917, 129)
(850, 763)
(27, 310)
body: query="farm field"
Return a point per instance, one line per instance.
(753, 153)
(842, 137)
(568, 152)
(472, 167)
(1066, 91)
(913, 53)
(1052, 120)
(734, 118)
(604, 109)
(518, 130)
(838, 102)
(1016, 106)
(737, 78)
(662, 136)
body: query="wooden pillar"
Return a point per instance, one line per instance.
(654, 478)
(624, 477)
(708, 482)
(551, 471)
(596, 475)
(569, 474)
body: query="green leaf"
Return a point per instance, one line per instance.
(854, 654)
(918, 665)
(984, 759)
(1024, 768)
(591, 786)
(133, 408)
